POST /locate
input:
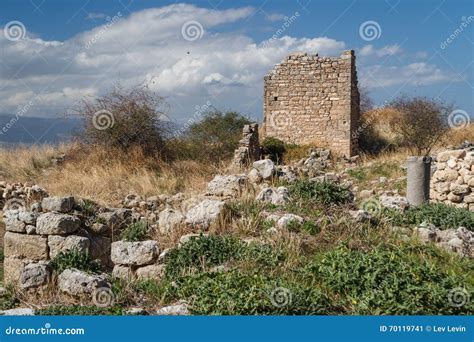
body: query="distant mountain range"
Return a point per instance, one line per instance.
(34, 130)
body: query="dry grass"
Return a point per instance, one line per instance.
(104, 176)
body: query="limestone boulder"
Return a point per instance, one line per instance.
(446, 155)
(134, 253)
(226, 185)
(266, 168)
(34, 275)
(32, 247)
(277, 196)
(150, 272)
(169, 219)
(58, 243)
(53, 223)
(58, 204)
(206, 213)
(76, 283)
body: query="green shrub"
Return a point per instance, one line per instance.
(274, 148)
(214, 138)
(439, 214)
(320, 192)
(392, 281)
(201, 253)
(236, 293)
(307, 226)
(8, 300)
(74, 259)
(137, 231)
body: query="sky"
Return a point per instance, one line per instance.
(215, 53)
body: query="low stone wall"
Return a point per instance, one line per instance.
(249, 148)
(38, 232)
(453, 181)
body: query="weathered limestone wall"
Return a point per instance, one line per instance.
(249, 149)
(313, 100)
(453, 181)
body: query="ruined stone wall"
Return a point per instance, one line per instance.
(313, 100)
(453, 181)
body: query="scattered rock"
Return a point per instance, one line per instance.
(178, 309)
(287, 219)
(76, 283)
(266, 168)
(277, 196)
(231, 185)
(134, 253)
(394, 202)
(150, 272)
(206, 213)
(18, 312)
(169, 219)
(35, 275)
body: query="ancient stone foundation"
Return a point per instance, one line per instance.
(313, 100)
(453, 181)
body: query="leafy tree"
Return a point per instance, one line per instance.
(421, 123)
(215, 137)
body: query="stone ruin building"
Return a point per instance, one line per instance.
(313, 100)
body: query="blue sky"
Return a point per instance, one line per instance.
(71, 50)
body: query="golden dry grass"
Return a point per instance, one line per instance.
(103, 176)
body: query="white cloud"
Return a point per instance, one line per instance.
(274, 17)
(225, 69)
(414, 74)
(389, 50)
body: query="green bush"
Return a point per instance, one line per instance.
(201, 253)
(307, 226)
(393, 281)
(439, 214)
(74, 259)
(320, 192)
(236, 293)
(8, 300)
(214, 138)
(137, 231)
(273, 147)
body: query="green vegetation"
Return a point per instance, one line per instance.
(439, 214)
(202, 253)
(137, 231)
(273, 147)
(393, 281)
(326, 193)
(74, 259)
(8, 300)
